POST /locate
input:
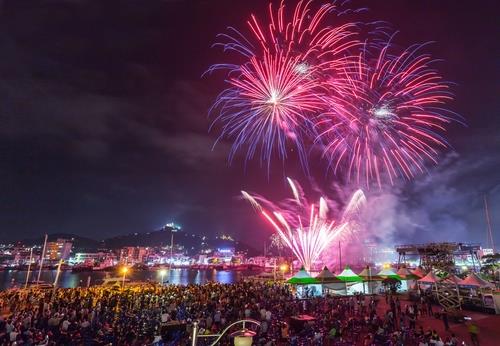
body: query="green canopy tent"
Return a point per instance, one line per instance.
(388, 273)
(302, 278)
(307, 286)
(348, 275)
(390, 279)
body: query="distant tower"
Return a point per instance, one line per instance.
(491, 242)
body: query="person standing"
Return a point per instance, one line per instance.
(445, 320)
(474, 333)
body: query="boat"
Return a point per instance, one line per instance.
(114, 281)
(263, 277)
(40, 285)
(81, 268)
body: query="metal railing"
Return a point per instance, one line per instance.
(195, 336)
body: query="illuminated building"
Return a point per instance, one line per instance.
(134, 254)
(59, 249)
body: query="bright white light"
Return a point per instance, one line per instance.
(274, 99)
(302, 68)
(383, 112)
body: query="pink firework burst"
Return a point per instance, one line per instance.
(278, 88)
(268, 106)
(387, 116)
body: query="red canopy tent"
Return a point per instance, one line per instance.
(474, 280)
(430, 278)
(418, 272)
(452, 279)
(406, 274)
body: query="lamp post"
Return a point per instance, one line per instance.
(29, 267)
(242, 337)
(57, 274)
(124, 271)
(173, 230)
(162, 275)
(283, 269)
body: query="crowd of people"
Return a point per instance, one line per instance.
(164, 315)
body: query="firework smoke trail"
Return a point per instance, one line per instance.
(305, 228)
(276, 91)
(388, 119)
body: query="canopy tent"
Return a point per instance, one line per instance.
(430, 278)
(452, 279)
(473, 280)
(405, 274)
(302, 278)
(388, 273)
(348, 275)
(326, 276)
(418, 272)
(368, 275)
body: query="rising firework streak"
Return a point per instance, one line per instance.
(306, 229)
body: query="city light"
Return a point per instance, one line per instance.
(124, 271)
(174, 227)
(162, 273)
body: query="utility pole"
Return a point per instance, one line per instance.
(41, 259)
(340, 258)
(488, 224)
(171, 248)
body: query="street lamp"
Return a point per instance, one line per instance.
(284, 269)
(242, 337)
(162, 274)
(124, 272)
(173, 229)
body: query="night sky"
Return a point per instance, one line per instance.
(104, 122)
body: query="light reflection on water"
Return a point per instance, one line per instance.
(10, 278)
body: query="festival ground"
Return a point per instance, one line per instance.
(489, 332)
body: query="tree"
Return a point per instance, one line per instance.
(391, 284)
(490, 265)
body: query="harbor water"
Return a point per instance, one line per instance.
(69, 279)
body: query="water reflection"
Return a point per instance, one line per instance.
(10, 278)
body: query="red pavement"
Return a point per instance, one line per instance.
(489, 325)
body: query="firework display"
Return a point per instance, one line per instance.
(386, 122)
(306, 229)
(305, 79)
(279, 88)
